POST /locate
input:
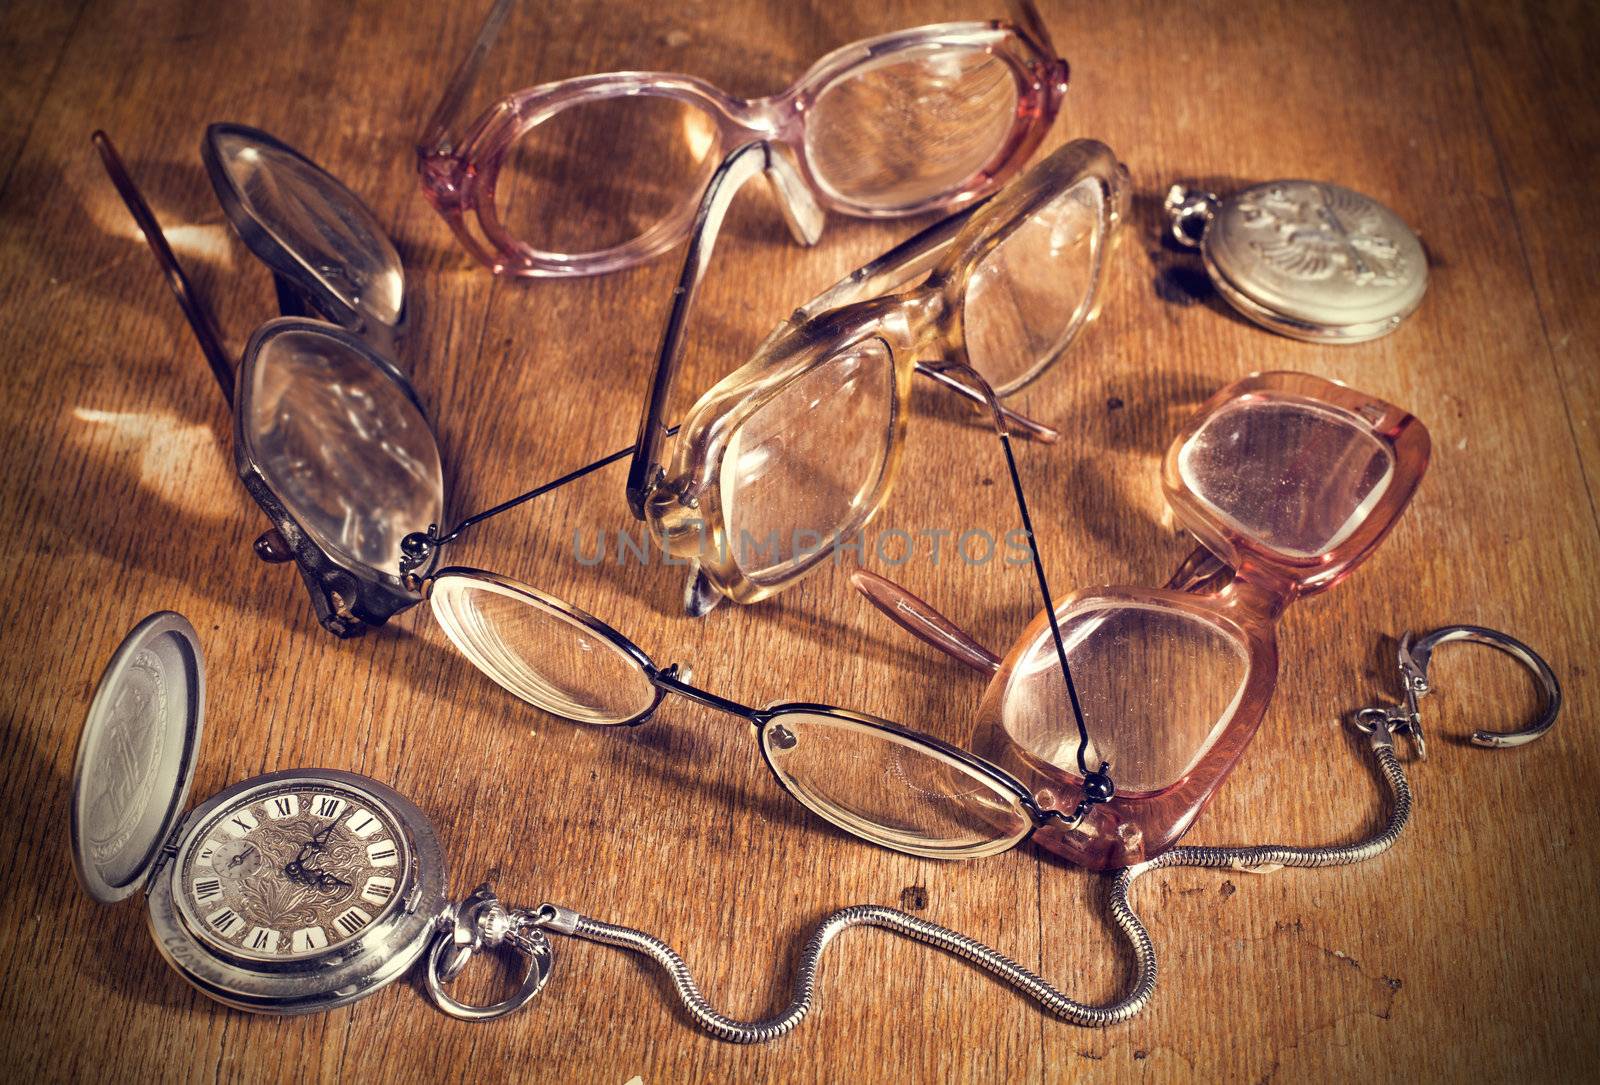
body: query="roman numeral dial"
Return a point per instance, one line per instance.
(291, 871)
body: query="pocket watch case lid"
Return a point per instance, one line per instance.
(136, 756)
(1308, 259)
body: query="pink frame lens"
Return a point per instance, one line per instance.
(459, 172)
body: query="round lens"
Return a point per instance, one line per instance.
(549, 655)
(341, 445)
(891, 789)
(319, 221)
(603, 173)
(1157, 686)
(913, 128)
(803, 469)
(1028, 297)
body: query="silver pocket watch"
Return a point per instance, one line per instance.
(1306, 259)
(287, 893)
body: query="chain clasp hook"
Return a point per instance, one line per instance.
(1414, 657)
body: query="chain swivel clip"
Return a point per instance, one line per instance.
(482, 921)
(1414, 656)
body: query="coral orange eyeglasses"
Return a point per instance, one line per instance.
(1289, 481)
(599, 173)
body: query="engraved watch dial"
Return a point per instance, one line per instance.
(291, 870)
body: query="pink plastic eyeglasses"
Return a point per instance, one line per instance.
(608, 169)
(1289, 481)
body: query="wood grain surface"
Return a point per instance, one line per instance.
(1469, 951)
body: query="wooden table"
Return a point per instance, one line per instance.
(1470, 949)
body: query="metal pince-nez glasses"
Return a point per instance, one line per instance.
(601, 172)
(315, 392)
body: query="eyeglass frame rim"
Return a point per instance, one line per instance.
(379, 594)
(375, 600)
(300, 291)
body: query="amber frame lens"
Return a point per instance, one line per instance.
(923, 325)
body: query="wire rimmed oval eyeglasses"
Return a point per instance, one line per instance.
(598, 173)
(884, 783)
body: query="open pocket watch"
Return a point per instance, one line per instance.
(287, 893)
(1306, 259)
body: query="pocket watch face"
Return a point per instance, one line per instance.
(291, 870)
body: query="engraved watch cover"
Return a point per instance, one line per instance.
(136, 756)
(1316, 261)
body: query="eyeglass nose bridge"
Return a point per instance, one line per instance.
(801, 211)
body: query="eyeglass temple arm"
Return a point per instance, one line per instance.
(805, 220)
(1097, 784)
(923, 622)
(194, 308)
(1200, 572)
(1025, 426)
(416, 546)
(436, 134)
(1025, 14)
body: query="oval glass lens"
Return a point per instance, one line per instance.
(320, 222)
(1296, 476)
(803, 469)
(1028, 298)
(342, 445)
(603, 173)
(890, 789)
(1157, 686)
(544, 654)
(915, 127)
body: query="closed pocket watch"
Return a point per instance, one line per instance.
(1306, 259)
(287, 893)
